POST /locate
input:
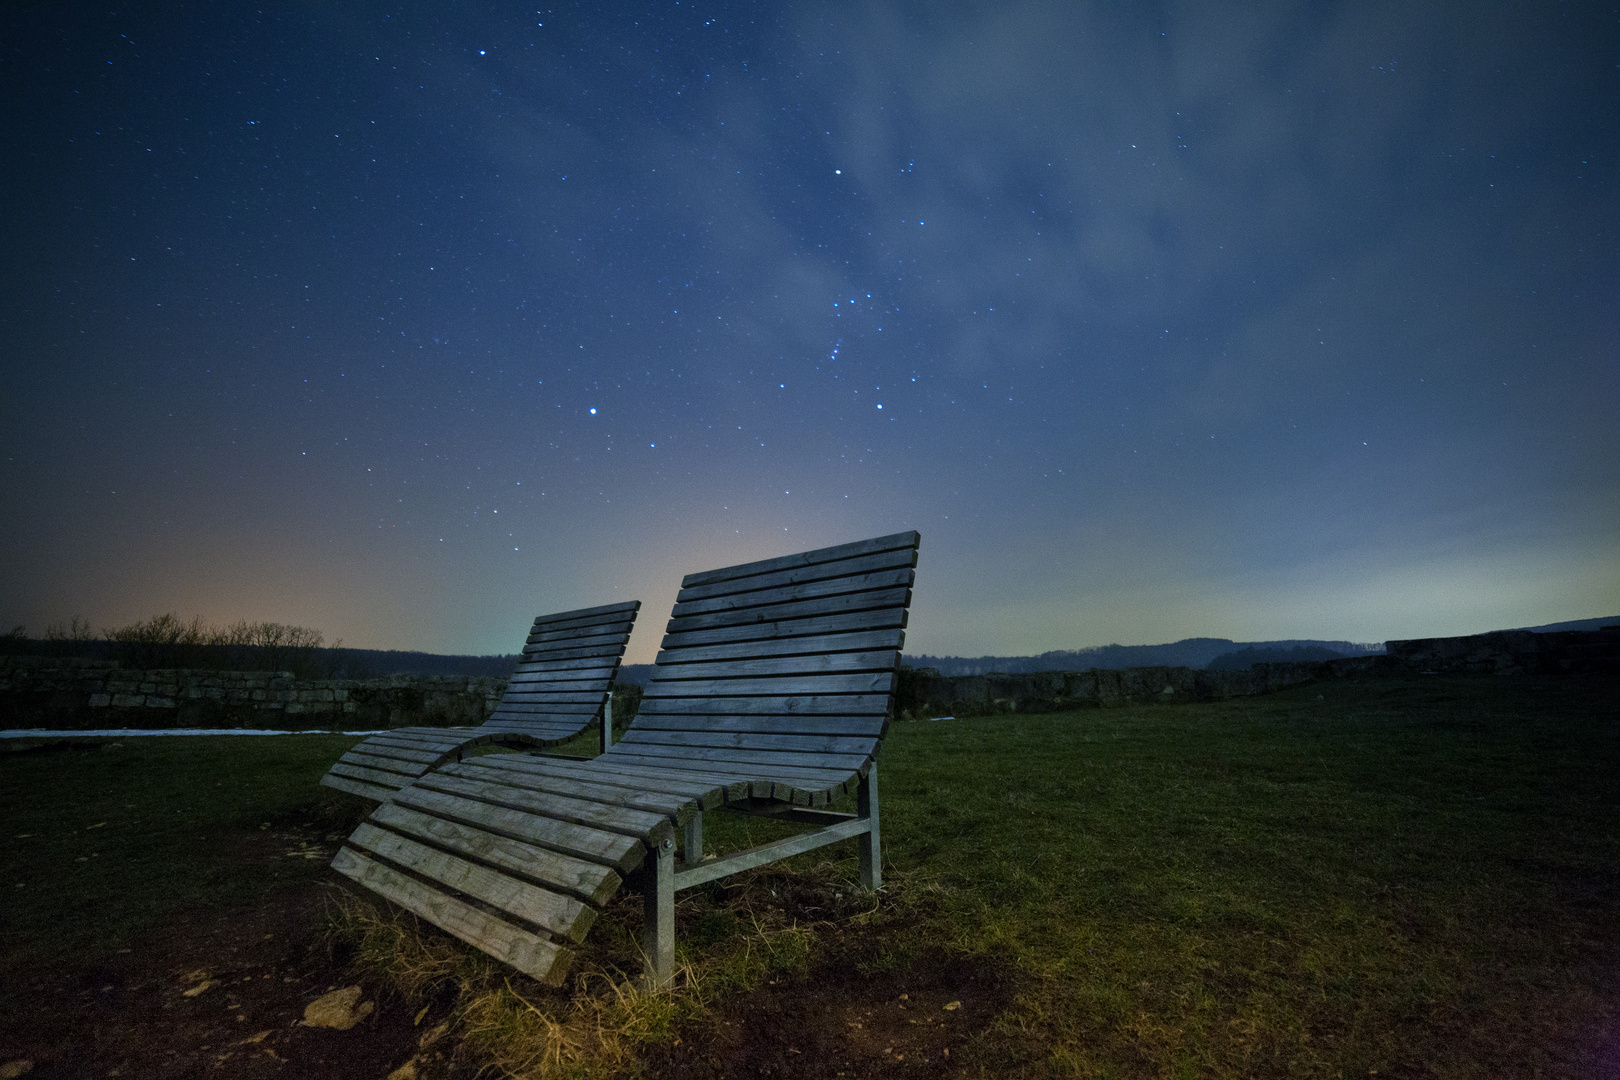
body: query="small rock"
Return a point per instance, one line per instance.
(406, 1071)
(341, 1009)
(13, 1069)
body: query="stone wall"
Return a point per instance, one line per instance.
(1510, 652)
(77, 694)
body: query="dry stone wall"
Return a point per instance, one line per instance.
(77, 694)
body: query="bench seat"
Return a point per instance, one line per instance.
(771, 694)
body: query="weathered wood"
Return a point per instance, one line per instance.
(379, 749)
(814, 664)
(789, 629)
(836, 586)
(586, 668)
(752, 740)
(807, 704)
(764, 648)
(622, 853)
(866, 682)
(532, 954)
(581, 613)
(380, 777)
(796, 778)
(841, 568)
(767, 760)
(801, 609)
(505, 789)
(357, 787)
(588, 638)
(558, 915)
(540, 779)
(797, 725)
(387, 764)
(591, 882)
(556, 701)
(806, 558)
(684, 788)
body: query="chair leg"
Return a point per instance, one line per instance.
(871, 841)
(607, 722)
(694, 839)
(658, 913)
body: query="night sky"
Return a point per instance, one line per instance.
(408, 323)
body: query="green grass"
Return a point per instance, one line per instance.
(106, 840)
(1417, 877)
(1411, 878)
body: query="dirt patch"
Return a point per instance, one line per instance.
(932, 1018)
(221, 997)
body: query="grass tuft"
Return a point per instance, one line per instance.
(732, 936)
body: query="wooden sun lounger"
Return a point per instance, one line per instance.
(563, 683)
(771, 695)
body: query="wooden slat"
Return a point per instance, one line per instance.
(541, 726)
(887, 618)
(844, 568)
(801, 790)
(871, 682)
(675, 808)
(440, 743)
(792, 725)
(581, 613)
(807, 705)
(583, 710)
(740, 740)
(704, 796)
(866, 641)
(875, 601)
(567, 652)
(591, 882)
(357, 787)
(588, 625)
(504, 790)
(815, 664)
(378, 749)
(558, 915)
(623, 853)
(805, 558)
(808, 776)
(566, 671)
(370, 776)
(808, 590)
(387, 764)
(585, 702)
(802, 764)
(664, 778)
(530, 953)
(544, 640)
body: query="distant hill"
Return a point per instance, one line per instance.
(1576, 624)
(1189, 652)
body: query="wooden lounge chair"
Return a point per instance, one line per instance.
(563, 683)
(770, 696)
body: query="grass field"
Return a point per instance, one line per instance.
(1394, 878)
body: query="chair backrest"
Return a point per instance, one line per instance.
(566, 672)
(783, 665)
